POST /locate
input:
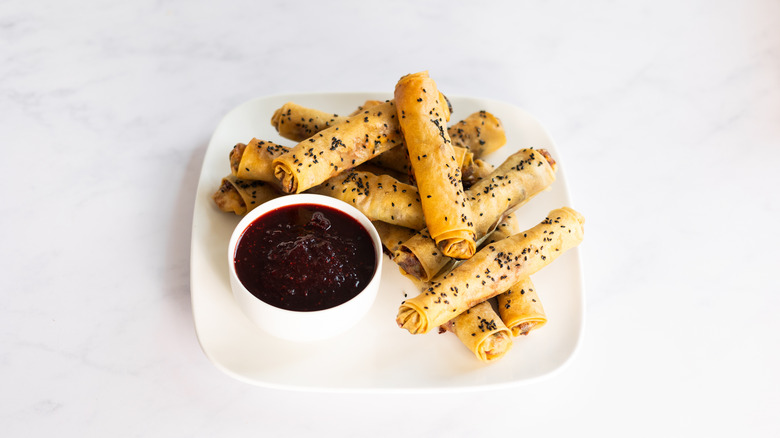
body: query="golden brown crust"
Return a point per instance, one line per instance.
(338, 148)
(253, 161)
(297, 123)
(241, 196)
(392, 236)
(482, 331)
(480, 132)
(521, 308)
(422, 118)
(492, 270)
(235, 157)
(397, 159)
(227, 198)
(520, 177)
(379, 197)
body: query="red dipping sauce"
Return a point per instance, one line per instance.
(305, 257)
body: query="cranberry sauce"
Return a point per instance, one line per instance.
(305, 257)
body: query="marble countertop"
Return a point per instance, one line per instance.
(666, 115)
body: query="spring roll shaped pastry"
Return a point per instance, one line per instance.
(241, 196)
(253, 161)
(520, 308)
(338, 148)
(422, 118)
(519, 178)
(297, 123)
(491, 271)
(379, 197)
(482, 331)
(479, 328)
(392, 236)
(481, 132)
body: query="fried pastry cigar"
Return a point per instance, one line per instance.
(491, 271)
(379, 197)
(519, 178)
(297, 123)
(338, 148)
(392, 236)
(482, 331)
(480, 328)
(253, 161)
(422, 118)
(520, 308)
(241, 196)
(481, 132)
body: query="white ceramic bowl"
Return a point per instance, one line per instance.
(305, 325)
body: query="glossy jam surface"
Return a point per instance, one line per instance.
(305, 257)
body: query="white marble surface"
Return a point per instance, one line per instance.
(666, 113)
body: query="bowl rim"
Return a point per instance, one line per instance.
(296, 199)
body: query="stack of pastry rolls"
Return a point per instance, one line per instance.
(443, 213)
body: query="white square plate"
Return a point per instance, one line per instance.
(376, 355)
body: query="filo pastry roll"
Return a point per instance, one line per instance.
(482, 331)
(491, 271)
(519, 178)
(392, 236)
(297, 123)
(338, 148)
(253, 161)
(480, 132)
(379, 197)
(520, 307)
(480, 328)
(422, 118)
(241, 196)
